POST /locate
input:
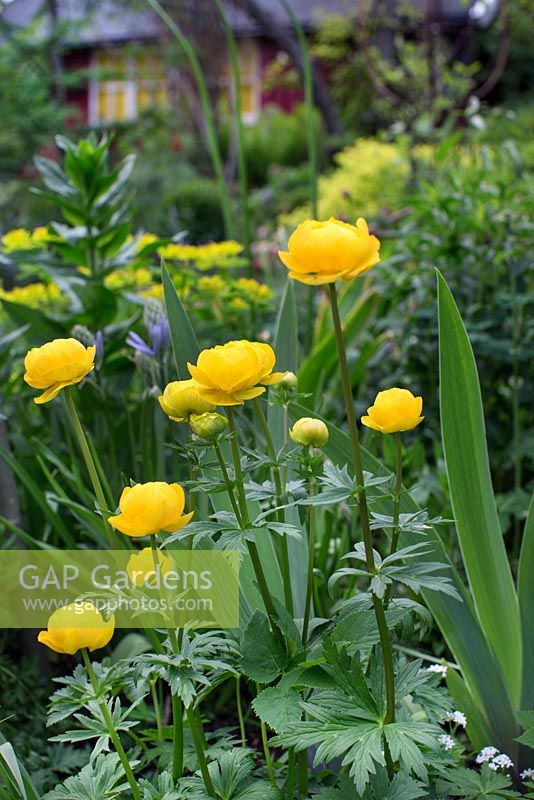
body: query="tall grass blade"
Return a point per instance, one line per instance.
(185, 344)
(472, 498)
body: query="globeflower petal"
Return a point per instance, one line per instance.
(74, 627)
(148, 508)
(56, 365)
(235, 370)
(323, 252)
(394, 410)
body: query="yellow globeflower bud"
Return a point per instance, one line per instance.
(76, 626)
(323, 252)
(208, 426)
(57, 364)
(393, 411)
(308, 431)
(141, 565)
(180, 399)
(229, 374)
(148, 508)
(289, 381)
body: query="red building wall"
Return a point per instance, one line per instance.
(78, 97)
(285, 97)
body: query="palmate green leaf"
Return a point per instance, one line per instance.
(471, 491)
(278, 707)
(263, 658)
(203, 658)
(457, 620)
(232, 776)
(101, 779)
(402, 787)
(525, 588)
(160, 787)
(483, 785)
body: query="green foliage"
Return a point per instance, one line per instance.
(197, 210)
(102, 777)
(356, 186)
(278, 138)
(467, 783)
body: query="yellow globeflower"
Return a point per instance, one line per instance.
(229, 374)
(148, 508)
(140, 566)
(57, 364)
(76, 626)
(180, 399)
(393, 411)
(323, 252)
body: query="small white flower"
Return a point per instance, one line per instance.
(486, 754)
(527, 774)
(439, 669)
(457, 718)
(502, 761)
(446, 741)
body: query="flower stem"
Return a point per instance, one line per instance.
(90, 464)
(177, 719)
(266, 750)
(302, 763)
(378, 605)
(277, 478)
(311, 562)
(157, 710)
(245, 521)
(195, 726)
(228, 482)
(113, 735)
(239, 704)
(396, 505)
(177, 737)
(236, 457)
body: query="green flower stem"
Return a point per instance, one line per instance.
(176, 703)
(277, 478)
(302, 763)
(311, 562)
(177, 737)
(265, 743)
(252, 549)
(228, 482)
(157, 709)
(90, 464)
(113, 735)
(378, 605)
(177, 718)
(195, 726)
(396, 505)
(236, 457)
(240, 716)
(291, 761)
